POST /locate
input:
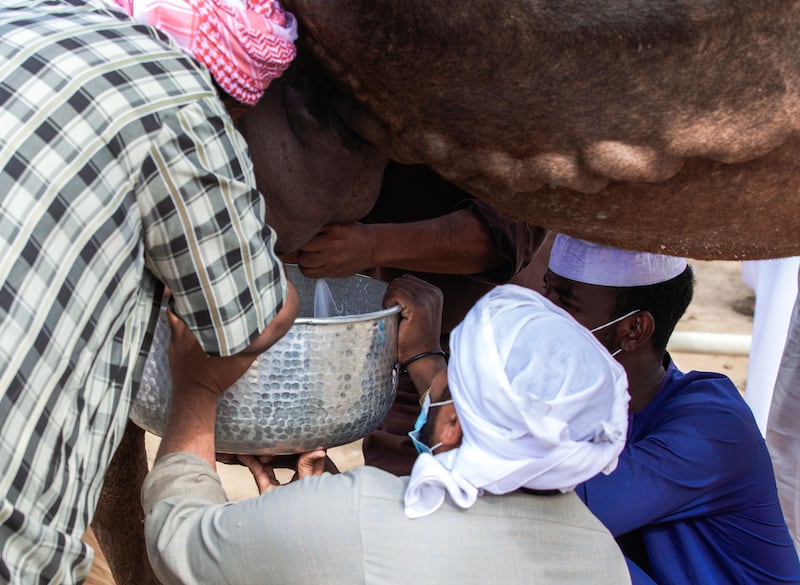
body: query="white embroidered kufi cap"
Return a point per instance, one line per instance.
(541, 403)
(592, 263)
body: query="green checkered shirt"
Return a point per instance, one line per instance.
(119, 171)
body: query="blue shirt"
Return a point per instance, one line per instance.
(693, 499)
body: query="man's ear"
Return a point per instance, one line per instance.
(451, 431)
(636, 331)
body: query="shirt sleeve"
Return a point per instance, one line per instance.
(193, 535)
(515, 240)
(204, 229)
(698, 462)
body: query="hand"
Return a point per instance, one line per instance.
(421, 317)
(338, 251)
(198, 379)
(192, 369)
(263, 467)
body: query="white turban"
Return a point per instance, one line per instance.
(541, 403)
(592, 263)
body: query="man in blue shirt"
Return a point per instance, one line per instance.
(693, 499)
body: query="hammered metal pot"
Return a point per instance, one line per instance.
(327, 382)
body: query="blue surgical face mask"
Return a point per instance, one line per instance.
(421, 420)
(610, 323)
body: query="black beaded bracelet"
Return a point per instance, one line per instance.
(404, 365)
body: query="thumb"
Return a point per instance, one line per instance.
(263, 474)
(310, 463)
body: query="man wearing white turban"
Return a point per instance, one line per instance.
(534, 405)
(693, 499)
(538, 405)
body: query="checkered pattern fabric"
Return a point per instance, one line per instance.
(119, 171)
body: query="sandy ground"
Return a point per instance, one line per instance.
(718, 286)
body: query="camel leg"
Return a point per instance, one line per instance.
(118, 520)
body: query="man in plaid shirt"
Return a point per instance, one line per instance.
(121, 173)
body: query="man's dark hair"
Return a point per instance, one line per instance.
(666, 301)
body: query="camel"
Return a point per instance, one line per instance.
(669, 127)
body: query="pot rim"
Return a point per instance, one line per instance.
(338, 319)
(348, 318)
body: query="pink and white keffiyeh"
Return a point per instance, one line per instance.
(244, 43)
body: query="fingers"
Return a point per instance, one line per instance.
(264, 475)
(315, 245)
(310, 464)
(410, 286)
(180, 332)
(262, 467)
(314, 256)
(420, 323)
(330, 240)
(411, 292)
(337, 251)
(228, 459)
(398, 292)
(311, 265)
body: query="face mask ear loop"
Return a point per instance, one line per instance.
(610, 323)
(617, 320)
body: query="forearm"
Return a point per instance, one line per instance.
(190, 425)
(194, 535)
(180, 498)
(456, 243)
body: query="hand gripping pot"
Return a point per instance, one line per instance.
(327, 382)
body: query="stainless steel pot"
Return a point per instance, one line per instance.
(327, 382)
